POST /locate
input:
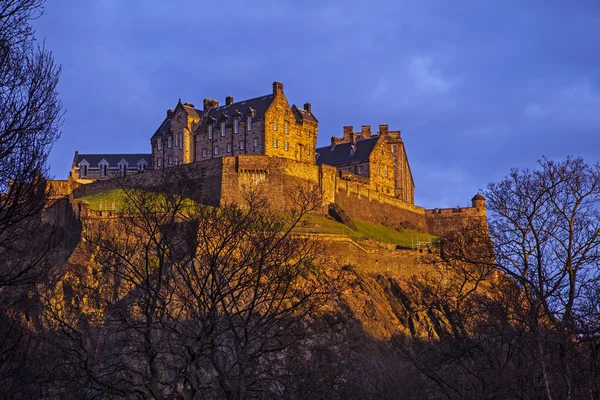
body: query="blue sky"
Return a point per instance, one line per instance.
(475, 86)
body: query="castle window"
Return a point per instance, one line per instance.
(216, 150)
(385, 171)
(84, 170)
(236, 126)
(176, 161)
(210, 128)
(229, 147)
(222, 128)
(249, 124)
(204, 153)
(286, 127)
(275, 143)
(286, 146)
(159, 162)
(176, 141)
(180, 141)
(170, 160)
(393, 148)
(308, 152)
(242, 145)
(378, 169)
(179, 118)
(359, 170)
(170, 141)
(255, 142)
(275, 125)
(159, 144)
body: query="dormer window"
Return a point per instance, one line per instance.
(84, 170)
(170, 141)
(286, 127)
(236, 126)
(210, 128)
(103, 169)
(249, 124)
(352, 150)
(222, 128)
(275, 125)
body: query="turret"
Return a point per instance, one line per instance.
(478, 201)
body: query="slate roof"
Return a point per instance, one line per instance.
(305, 114)
(341, 152)
(259, 104)
(113, 159)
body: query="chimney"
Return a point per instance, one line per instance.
(170, 113)
(210, 103)
(228, 100)
(365, 131)
(348, 133)
(187, 103)
(307, 107)
(277, 87)
(383, 130)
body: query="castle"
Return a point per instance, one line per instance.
(223, 149)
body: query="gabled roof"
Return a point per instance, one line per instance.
(259, 105)
(309, 116)
(113, 159)
(341, 152)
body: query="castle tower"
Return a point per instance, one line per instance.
(478, 201)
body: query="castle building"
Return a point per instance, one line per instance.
(91, 167)
(381, 158)
(264, 125)
(268, 126)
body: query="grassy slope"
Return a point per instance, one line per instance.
(110, 200)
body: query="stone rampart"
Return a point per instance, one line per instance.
(442, 221)
(228, 179)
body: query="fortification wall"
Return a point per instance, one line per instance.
(365, 204)
(225, 180)
(442, 221)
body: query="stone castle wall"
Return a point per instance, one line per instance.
(225, 180)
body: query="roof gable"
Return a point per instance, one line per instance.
(341, 153)
(112, 159)
(255, 107)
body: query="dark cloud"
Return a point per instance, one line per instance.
(476, 87)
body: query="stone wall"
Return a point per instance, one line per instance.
(225, 180)
(442, 221)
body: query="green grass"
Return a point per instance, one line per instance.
(386, 234)
(106, 200)
(111, 200)
(366, 230)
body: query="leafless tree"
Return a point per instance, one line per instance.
(185, 300)
(30, 116)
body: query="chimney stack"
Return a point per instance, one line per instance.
(277, 87)
(228, 100)
(365, 131)
(383, 130)
(307, 107)
(348, 133)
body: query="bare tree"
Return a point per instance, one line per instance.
(30, 116)
(186, 300)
